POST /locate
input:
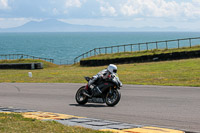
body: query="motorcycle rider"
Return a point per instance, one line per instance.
(91, 88)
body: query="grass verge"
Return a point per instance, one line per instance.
(141, 53)
(173, 73)
(16, 123)
(45, 63)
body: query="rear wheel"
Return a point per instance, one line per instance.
(113, 98)
(80, 97)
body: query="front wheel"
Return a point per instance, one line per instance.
(113, 98)
(80, 97)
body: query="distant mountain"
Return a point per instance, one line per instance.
(53, 25)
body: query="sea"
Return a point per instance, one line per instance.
(63, 47)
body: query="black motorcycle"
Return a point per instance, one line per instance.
(106, 91)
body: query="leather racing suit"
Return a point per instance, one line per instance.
(91, 87)
(104, 74)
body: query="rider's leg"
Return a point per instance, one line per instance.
(91, 85)
(93, 88)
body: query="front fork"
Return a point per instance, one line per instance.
(110, 91)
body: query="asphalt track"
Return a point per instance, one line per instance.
(163, 106)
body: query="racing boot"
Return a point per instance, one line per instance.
(88, 88)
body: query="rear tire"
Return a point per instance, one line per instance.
(114, 98)
(80, 97)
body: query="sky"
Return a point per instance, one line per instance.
(182, 14)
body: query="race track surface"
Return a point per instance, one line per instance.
(163, 106)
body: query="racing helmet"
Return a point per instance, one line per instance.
(112, 68)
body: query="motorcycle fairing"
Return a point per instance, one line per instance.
(104, 86)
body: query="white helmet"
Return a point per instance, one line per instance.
(112, 68)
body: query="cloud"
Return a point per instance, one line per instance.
(128, 12)
(73, 3)
(108, 11)
(4, 4)
(196, 1)
(120, 9)
(160, 8)
(154, 8)
(192, 9)
(55, 11)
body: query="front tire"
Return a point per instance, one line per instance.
(80, 97)
(113, 98)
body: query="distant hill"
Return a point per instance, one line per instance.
(53, 25)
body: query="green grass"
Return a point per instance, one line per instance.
(140, 53)
(16, 123)
(173, 73)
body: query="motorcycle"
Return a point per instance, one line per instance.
(106, 91)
